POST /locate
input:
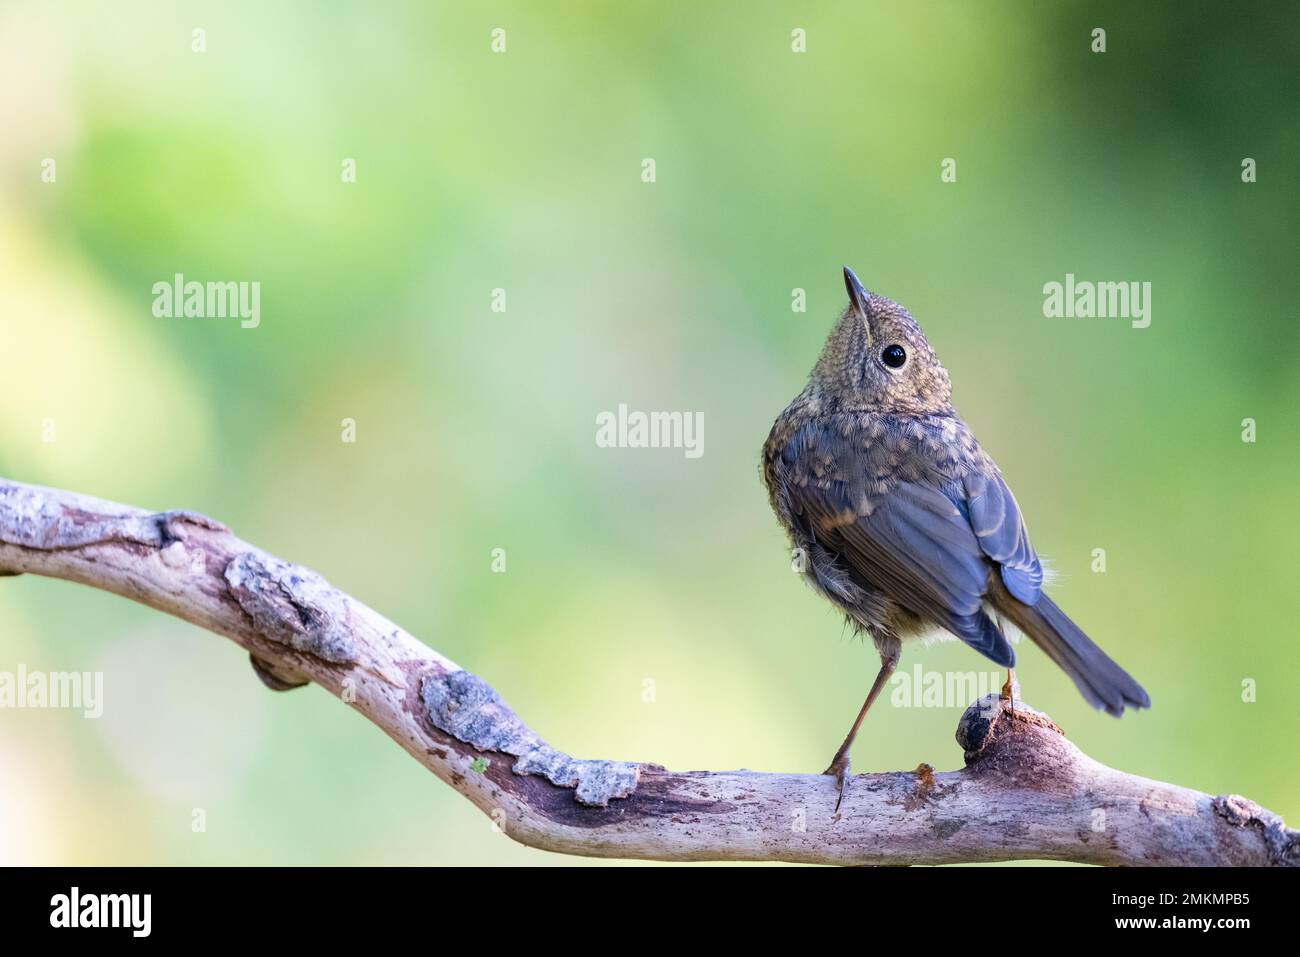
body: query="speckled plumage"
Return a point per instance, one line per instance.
(902, 519)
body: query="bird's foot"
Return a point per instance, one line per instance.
(840, 769)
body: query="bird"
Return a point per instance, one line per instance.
(902, 521)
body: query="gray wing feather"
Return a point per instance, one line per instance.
(918, 548)
(995, 519)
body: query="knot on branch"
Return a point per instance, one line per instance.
(992, 718)
(1283, 843)
(469, 709)
(293, 606)
(276, 675)
(1008, 737)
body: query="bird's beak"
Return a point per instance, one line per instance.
(858, 296)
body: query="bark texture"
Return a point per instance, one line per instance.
(1025, 792)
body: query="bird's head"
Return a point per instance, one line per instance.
(877, 359)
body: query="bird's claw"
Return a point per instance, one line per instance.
(840, 769)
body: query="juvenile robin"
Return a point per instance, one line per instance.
(902, 520)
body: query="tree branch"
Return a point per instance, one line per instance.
(1025, 792)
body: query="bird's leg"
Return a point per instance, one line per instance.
(840, 764)
(1009, 689)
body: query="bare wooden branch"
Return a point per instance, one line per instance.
(1026, 792)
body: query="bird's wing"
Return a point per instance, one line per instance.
(996, 521)
(907, 539)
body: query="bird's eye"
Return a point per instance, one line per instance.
(893, 356)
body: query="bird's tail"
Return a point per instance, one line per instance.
(1105, 684)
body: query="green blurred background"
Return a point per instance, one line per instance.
(475, 429)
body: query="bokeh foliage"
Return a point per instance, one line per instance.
(475, 429)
